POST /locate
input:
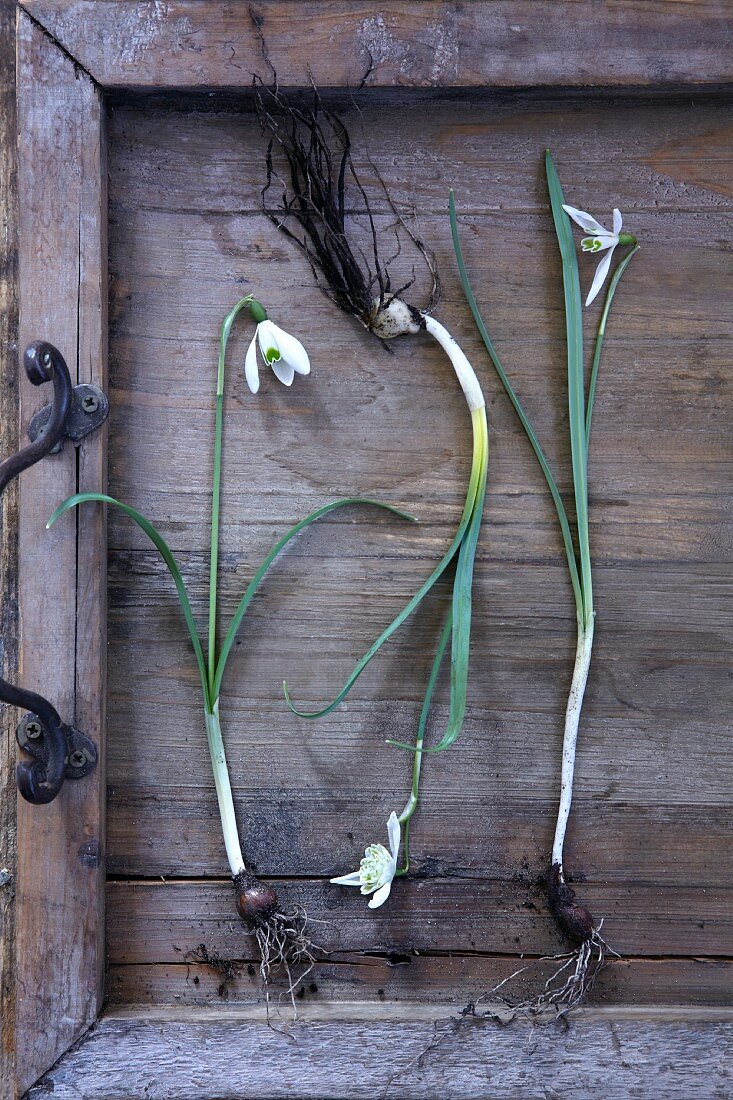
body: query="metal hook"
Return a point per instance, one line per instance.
(59, 751)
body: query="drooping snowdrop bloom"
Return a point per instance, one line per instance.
(378, 867)
(600, 241)
(279, 350)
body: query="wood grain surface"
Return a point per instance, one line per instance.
(402, 1052)
(649, 838)
(649, 845)
(62, 287)
(501, 43)
(8, 541)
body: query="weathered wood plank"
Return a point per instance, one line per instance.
(660, 455)
(185, 243)
(170, 256)
(396, 1051)
(171, 830)
(424, 979)
(152, 921)
(60, 858)
(582, 44)
(488, 151)
(8, 542)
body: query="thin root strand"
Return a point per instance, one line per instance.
(565, 989)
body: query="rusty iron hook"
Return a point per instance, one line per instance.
(59, 751)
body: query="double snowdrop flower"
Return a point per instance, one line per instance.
(378, 867)
(279, 350)
(600, 240)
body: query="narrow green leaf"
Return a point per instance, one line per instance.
(280, 545)
(409, 607)
(165, 552)
(462, 607)
(599, 341)
(417, 748)
(524, 420)
(576, 377)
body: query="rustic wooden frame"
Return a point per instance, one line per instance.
(69, 53)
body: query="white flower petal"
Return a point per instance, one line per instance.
(381, 895)
(617, 221)
(292, 351)
(267, 337)
(394, 832)
(250, 366)
(354, 879)
(585, 221)
(605, 240)
(283, 371)
(599, 277)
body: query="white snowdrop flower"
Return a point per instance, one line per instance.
(378, 867)
(601, 240)
(280, 350)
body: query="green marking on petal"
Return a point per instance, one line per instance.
(272, 355)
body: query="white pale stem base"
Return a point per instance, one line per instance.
(223, 791)
(570, 740)
(464, 371)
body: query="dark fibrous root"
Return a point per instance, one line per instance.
(308, 204)
(285, 947)
(569, 985)
(565, 989)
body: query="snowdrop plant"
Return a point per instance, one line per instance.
(578, 971)
(281, 937)
(310, 208)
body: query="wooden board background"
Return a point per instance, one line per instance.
(8, 532)
(650, 833)
(342, 1053)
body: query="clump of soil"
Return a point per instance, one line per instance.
(227, 969)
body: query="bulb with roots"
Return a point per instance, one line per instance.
(282, 939)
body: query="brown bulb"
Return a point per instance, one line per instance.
(256, 901)
(574, 919)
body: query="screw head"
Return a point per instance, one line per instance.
(90, 403)
(33, 729)
(77, 759)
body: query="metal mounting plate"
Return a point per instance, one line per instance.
(89, 409)
(81, 752)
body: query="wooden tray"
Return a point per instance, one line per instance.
(139, 168)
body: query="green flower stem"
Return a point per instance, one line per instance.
(411, 804)
(226, 329)
(600, 337)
